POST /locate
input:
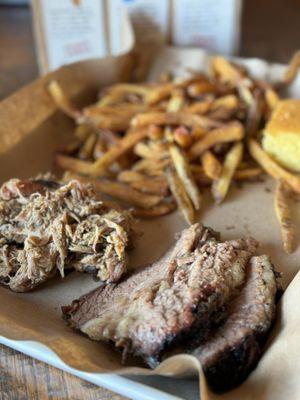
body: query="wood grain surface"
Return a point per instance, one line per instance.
(270, 30)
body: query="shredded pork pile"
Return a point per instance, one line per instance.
(46, 227)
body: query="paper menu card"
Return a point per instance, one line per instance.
(212, 25)
(71, 30)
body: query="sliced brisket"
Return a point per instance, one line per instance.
(46, 227)
(179, 294)
(233, 350)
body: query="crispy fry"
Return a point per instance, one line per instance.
(228, 133)
(292, 70)
(144, 151)
(158, 93)
(229, 101)
(284, 216)
(211, 165)
(128, 175)
(112, 118)
(117, 150)
(151, 167)
(180, 118)
(226, 71)
(272, 98)
(82, 131)
(200, 88)
(156, 186)
(183, 137)
(87, 148)
(120, 191)
(155, 132)
(157, 211)
(271, 167)
(248, 174)
(232, 160)
(62, 101)
(200, 107)
(177, 100)
(180, 195)
(185, 174)
(72, 164)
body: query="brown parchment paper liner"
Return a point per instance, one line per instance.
(30, 130)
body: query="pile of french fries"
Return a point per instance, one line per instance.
(156, 146)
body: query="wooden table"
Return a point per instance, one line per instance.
(270, 30)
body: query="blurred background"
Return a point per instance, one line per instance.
(52, 32)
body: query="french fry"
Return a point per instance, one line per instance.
(143, 150)
(158, 93)
(87, 148)
(155, 132)
(229, 101)
(183, 137)
(62, 101)
(161, 209)
(292, 70)
(200, 88)
(248, 174)
(211, 165)
(185, 174)
(130, 176)
(119, 191)
(226, 71)
(284, 216)
(271, 167)
(156, 186)
(232, 160)
(176, 101)
(151, 167)
(124, 145)
(82, 131)
(200, 107)
(272, 98)
(112, 118)
(182, 199)
(228, 133)
(72, 164)
(179, 118)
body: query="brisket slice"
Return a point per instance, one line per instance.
(46, 227)
(233, 350)
(177, 295)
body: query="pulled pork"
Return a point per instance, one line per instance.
(46, 227)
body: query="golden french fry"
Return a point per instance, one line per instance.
(185, 175)
(112, 118)
(226, 71)
(271, 167)
(176, 101)
(155, 132)
(124, 145)
(292, 70)
(202, 87)
(156, 186)
(143, 150)
(284, 216)
(82, 131)
(248, 174)
(183, 137)
(62, 101)
(87, 148)
(232, 160)
(128, 175)
(228, 133)
(229, 101)
(150, 167)
(119, 191)
(272, 98)
(161, 209)
(158, 93)
(182, 199)
(211, 165)
(200, 107)
(179, 118)
(72, 164)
